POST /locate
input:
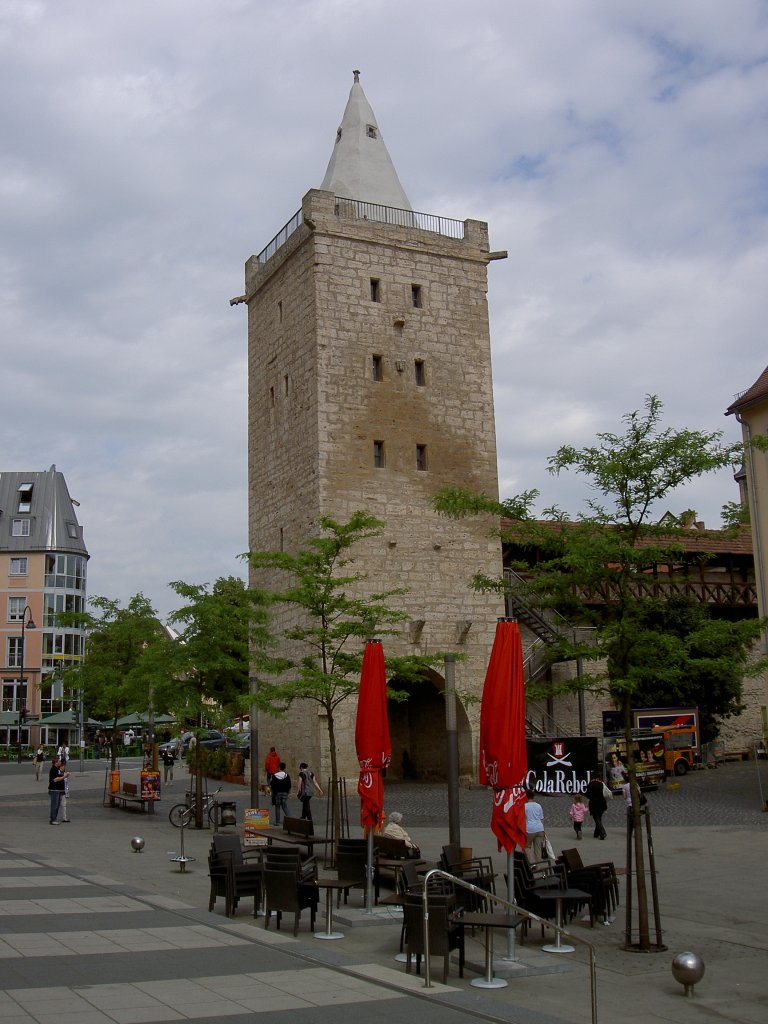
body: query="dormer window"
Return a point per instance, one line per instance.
(370, 131)
(25, 498)
(20, 528)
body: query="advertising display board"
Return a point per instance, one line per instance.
(150, 784)
(255, 821)
(561, 765)
(648, 749)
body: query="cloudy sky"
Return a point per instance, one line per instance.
(617, 148)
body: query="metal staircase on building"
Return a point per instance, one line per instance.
(549, 627)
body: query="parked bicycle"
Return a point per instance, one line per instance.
(184, 814)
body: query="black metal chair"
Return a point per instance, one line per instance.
(476, 870)
(219, 878)
(351, 860)
(600, 881)
(444, 934)
(285, 893)
(291, 856)
(527, 889)
(233, 878)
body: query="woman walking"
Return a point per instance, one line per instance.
(308, 786)
(598, 804)
(39, 759)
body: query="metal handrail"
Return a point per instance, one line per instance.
(517, 909)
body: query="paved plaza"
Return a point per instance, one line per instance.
(93, 933)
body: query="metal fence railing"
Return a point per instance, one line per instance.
(359, 210)
(280, 238)
(356, 209)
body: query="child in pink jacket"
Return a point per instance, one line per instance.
(577, 813)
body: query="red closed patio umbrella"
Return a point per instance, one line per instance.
(373, 746)
(503, 758)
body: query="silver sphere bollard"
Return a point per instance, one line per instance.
(688, 968)
(138, 844)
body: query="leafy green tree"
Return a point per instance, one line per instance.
(336, 613)
(223, 630)
(126, 659)
(591, 570)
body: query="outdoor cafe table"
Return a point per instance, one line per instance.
(558, 895)
(489, 921)
(331, 885)
(281, 836)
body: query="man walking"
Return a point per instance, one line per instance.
(281, 787)
(56, 780)
(168, 756)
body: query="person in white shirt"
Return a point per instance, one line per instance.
(534, 827)
(395, 830)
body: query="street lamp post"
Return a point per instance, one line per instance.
(26, 623)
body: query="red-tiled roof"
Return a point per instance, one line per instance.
(705, 541)
(756, 393)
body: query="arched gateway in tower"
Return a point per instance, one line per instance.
(369, 371)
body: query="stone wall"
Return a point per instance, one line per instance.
(316, 410)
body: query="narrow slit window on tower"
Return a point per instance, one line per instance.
(280, 310)
(375, 289)
(419, 373)
(272, 396)
(377, 371)
(378, 454)
(421, 456)
(285, 383)
(416, 296)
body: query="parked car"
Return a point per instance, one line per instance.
(210, 738)
(241, 744)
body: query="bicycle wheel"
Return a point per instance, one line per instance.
(214, 815)
(179, 815)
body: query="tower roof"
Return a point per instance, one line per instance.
(360, 166)
(42, 499)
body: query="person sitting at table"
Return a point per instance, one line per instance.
(396, 831)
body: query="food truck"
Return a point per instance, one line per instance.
(680, 729)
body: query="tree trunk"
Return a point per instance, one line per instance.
(644, 938)
(335, 795)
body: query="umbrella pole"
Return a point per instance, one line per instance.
(369, 874)
(454, 834)
(511, 946)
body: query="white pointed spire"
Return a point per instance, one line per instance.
(360, 166)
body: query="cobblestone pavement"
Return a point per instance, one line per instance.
(69, 896)
(727, 795)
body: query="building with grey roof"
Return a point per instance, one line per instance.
(43, 562)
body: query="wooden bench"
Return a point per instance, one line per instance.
(129, 794)
(296, 832)
(297, 826)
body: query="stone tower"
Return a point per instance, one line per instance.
(370, 388)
